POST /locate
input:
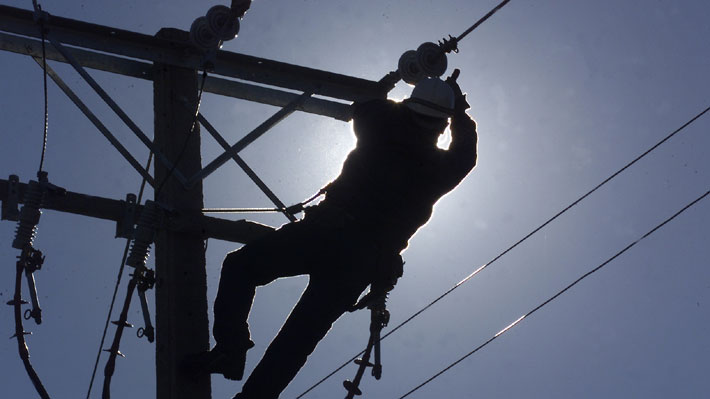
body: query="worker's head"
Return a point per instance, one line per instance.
(432, 101)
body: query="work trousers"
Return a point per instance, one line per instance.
(340, 262)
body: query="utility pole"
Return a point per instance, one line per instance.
(171, 62)
(182, 326)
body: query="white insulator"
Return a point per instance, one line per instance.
(409, 68)
(201, 35)
(432, 59)
(143, 235)
(29, 216)
(222, 22)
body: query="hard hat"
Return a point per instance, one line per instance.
(432, 97)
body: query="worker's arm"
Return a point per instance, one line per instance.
(461, 156)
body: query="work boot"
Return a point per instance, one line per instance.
(219, 361)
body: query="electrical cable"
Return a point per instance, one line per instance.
(534, 231)
(28, 253)
(46, 97)
(115, 290)
(482, 20)
(20, 333)
(538, 307)
(187, 139)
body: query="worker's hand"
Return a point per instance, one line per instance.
(460, 104)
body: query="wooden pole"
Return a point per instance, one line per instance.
(182, 326)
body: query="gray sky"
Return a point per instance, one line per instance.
(564, 92)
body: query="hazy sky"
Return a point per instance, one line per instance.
(564, 92)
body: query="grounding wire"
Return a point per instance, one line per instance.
(20, 334)
(40, 22)
(46, 101)
(187, 139)
(543, 225)
(115, 290)
(552, 298)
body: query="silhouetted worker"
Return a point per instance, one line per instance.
(353, 238)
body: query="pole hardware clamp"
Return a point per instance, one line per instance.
(124, 226)
(10, 211)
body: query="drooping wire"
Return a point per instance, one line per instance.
(552, 298)
(20, 334)
(520, 241)
(27, 251)
(115, 290)
(40, 21)
(187, 139)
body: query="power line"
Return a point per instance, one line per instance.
(550, 220)
(38, 12)
(482, 20)
(540, 306)
(115, 290)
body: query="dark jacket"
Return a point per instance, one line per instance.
(392, 179)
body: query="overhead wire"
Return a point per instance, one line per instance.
(482, 20)
(520, 241)
(558, 294)
(46, 96)
(115, 290)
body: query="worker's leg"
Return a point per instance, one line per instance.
(279, 254)
(323, 302)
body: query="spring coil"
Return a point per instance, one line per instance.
(30, 214)
(143, 235)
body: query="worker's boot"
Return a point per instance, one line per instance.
(228, 362)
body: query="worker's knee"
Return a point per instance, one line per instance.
(237, 263)
(246, 266)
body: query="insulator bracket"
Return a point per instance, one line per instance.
(10, 211)
(124, 226)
